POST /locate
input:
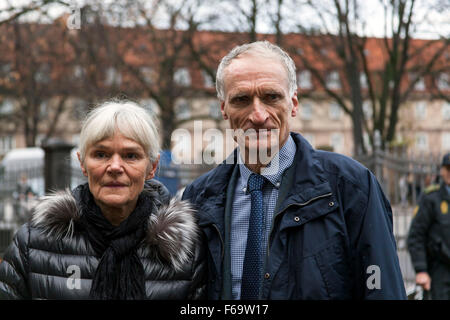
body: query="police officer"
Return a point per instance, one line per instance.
(429, 237)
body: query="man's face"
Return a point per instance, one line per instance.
(257, 97)
(445, 174)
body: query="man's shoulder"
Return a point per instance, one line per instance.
(204, 180)
(433, 188)
(341, 165)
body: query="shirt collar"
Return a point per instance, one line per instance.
(274, 170)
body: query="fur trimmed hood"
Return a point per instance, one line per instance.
(172, 231)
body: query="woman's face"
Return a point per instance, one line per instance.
(117, 168)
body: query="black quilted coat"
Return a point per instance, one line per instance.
(50, 258)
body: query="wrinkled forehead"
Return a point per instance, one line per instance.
(248, 67)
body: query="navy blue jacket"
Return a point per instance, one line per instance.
(331, 236)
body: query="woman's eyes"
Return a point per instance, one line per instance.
(100, 154)
(126, 156)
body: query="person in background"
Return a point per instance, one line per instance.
(429, 237)
(116, 237)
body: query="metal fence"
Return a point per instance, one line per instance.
(403, 178)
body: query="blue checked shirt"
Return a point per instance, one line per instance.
(242, 204)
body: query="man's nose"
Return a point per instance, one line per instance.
(115, 164)
(259, 113)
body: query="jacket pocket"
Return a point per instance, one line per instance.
(333, 263)
(324, 272)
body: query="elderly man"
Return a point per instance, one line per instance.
(307, 224)
(429, 237)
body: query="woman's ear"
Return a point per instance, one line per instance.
(152, 171)
(81, 164)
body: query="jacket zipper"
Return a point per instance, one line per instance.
(292, 204)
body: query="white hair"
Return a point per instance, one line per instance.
(126, 117)
(264, 48)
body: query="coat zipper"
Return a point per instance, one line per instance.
(292, 204)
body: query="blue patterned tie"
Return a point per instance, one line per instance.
(252, 270)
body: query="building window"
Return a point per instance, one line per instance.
(420, 83)
(307, 111)
(208, 81)
(335, 111)
(6, 107)
(446, 111)
(363, 80)
(113, 77)
(337, 142)
(443, 81)
(310, 138)
(367, 110)
(78, 72)
(182, 77)
(42, 74)
(446, 142)
(7, 143)
(214, 109)
(304, 79)
(183, 110)
(150, 105)
(332, 80)
(420, 110)
(421, 141)
(148, 75)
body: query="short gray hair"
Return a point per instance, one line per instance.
(261, 47)
(127, 117)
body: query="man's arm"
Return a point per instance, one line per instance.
(417, 236)
(377, 265)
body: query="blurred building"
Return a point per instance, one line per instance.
(58, 61)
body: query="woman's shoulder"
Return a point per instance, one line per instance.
(55, 214)
(173, 234)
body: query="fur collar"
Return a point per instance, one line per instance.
(171, 231)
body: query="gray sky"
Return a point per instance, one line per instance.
(432, 24)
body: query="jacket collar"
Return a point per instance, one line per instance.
(308, 182)
(172, 231)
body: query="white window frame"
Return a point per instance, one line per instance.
(446, 110)
(113, 77)
(334, 111)
(445, 142)
(310, 138)
(304, 79)
(421, 141)
(420, 110)
(183, 109)
(333, 80)
(339, 145)
(182, 77)
(307, 111)
(207, 80)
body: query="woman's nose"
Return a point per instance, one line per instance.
(115, 164)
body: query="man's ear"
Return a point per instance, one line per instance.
(294, 100)
(152, 171)
(81, 164)
(222, 110)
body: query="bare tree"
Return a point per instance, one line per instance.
(347, 52)
(36, 77)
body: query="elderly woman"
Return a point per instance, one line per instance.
(115, 237)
